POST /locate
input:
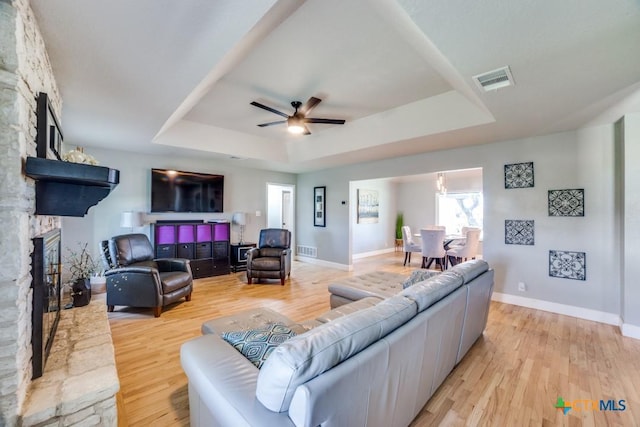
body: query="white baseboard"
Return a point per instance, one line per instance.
(567, 310)
(631, 331)
(372, 253)
(324, 263)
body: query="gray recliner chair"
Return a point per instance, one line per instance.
(136, 279)
(272, 258)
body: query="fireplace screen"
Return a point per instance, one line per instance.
(45, 270)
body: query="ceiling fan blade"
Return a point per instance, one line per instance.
(306, 131)
(264, 107)
(279, 122)
(325, 121)
(311, 103)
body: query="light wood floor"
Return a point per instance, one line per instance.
(512, 376)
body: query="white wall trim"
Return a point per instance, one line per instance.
(567, 310)
(373, 253)
(631, 331)
(324, 263)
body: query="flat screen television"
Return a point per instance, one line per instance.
(177, 191)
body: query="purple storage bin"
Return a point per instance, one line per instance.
(165, 235)
(186, 234)
(221, 231)
(203, 233)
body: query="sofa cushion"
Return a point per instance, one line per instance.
(306, 356)
(258, 344)
(174, 280)
(266, 263)
(349, 308)
(381, 284)
(469, 270)
(418, 275)
(432, 290)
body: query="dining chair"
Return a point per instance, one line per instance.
(435, 227)
(433, 248)
(458, 243)
(456, 254)
(408, 245)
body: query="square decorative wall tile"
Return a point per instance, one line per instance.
(568, 265)
(566, 202)
(518, 175)
(518, 232)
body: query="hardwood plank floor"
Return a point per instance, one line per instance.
(512, 376)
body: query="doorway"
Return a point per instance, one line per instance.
(280, 207)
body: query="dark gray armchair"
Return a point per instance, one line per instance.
(272, 258)
(136, 279)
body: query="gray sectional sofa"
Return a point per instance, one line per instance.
(371, 362)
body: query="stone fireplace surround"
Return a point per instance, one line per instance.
(25, 70)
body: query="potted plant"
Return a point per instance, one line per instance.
(399, 225)
(82, 267)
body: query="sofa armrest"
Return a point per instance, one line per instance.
(138, 286)
(131, 269)
(173, 264)
(222, 385)
(252, 253)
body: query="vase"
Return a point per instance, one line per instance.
(81, 292)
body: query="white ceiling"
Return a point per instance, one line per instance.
(167, 77)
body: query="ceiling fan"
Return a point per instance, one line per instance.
(297, 123)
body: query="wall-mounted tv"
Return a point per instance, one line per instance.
(177, 191)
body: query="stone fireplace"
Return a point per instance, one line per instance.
(25, 71)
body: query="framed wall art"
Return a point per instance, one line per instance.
(319, 206)
(49, 134)
(368, 206)
(519, 232)
(568, 265)
(566, 202)
(518, 175)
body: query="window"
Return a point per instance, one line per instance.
(457, 210)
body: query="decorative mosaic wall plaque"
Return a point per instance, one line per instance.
(566, 202)
(518, 175)
(518, 232)
(568, 265)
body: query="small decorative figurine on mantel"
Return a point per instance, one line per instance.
(79, 156)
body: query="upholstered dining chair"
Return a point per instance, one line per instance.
(433, 248)
(435, 227)
(456, 254)
(408, 245)
(136, 279)
(272, 258)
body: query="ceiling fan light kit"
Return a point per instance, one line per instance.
(295, 126)
(296, 123)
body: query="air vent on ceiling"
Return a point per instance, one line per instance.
(495, 79)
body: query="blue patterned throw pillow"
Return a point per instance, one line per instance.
(418, 276)
(257, 344)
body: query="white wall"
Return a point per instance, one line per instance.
(378, 236)
(631, 208)
(417, 201)
(244, 190)
(577, 159)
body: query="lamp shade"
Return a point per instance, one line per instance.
(130, 219)
(239, 218)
